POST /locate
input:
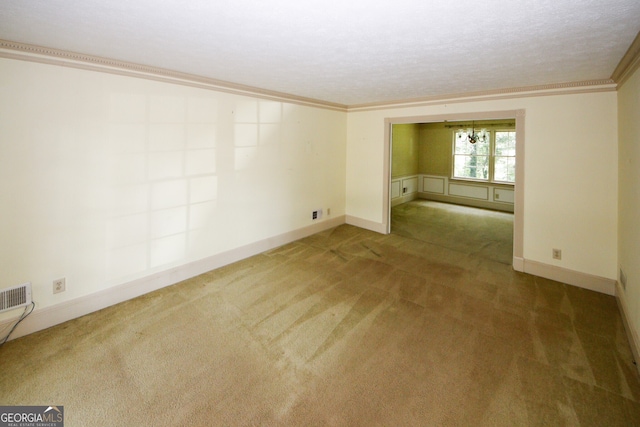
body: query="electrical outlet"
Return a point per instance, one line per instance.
(556, 254)
(328, 211)
(59, 285)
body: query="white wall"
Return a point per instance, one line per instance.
(629, 198)
(106, 179)
(570, 185)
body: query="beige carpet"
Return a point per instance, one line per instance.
(346, 327)
(485, 233)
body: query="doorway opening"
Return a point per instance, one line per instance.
(485, 193)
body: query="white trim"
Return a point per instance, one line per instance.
(629, 63)
(518, 208)
(518, 188)
(27, 52)
(396, 186)
(467, 191)
(572, 88)
(509, 192)
(443, 192)
(44, 55)
(518, 264)
(468, 201)
(50, 316)
(632, 334)
(433, 184)
(404, 199)
(411, 182)
(570, 277)
(367, 224)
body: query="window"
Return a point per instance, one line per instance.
(504, 157)
(470, 161)
(493, 159)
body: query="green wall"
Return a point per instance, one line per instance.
(404, 153)
(435, 152)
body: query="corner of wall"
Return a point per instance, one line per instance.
(518, 264)
(367, 224)
(632, 334)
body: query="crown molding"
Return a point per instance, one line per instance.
(589, 86)
(629, 63)
(45, 55)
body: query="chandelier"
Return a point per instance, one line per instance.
(471, 136)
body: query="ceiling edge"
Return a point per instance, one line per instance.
(589, 86)
(629, 63)
(45, 55)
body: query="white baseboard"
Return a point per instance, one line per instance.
(404, 199)
(632, 334)
(570, 277)
(465, 201)
(563, 275)
(50, 316)
(518, 264)
(53, 315)
(366, 224)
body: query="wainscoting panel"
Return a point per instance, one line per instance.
(433, 185)
(404, 189)
(410, 185)
(396, 187)
(479, 194)
(503, 195)
(470, 191)
(440, 188)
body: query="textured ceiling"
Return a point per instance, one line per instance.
(349, 52)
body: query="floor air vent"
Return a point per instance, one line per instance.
(15, 297)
